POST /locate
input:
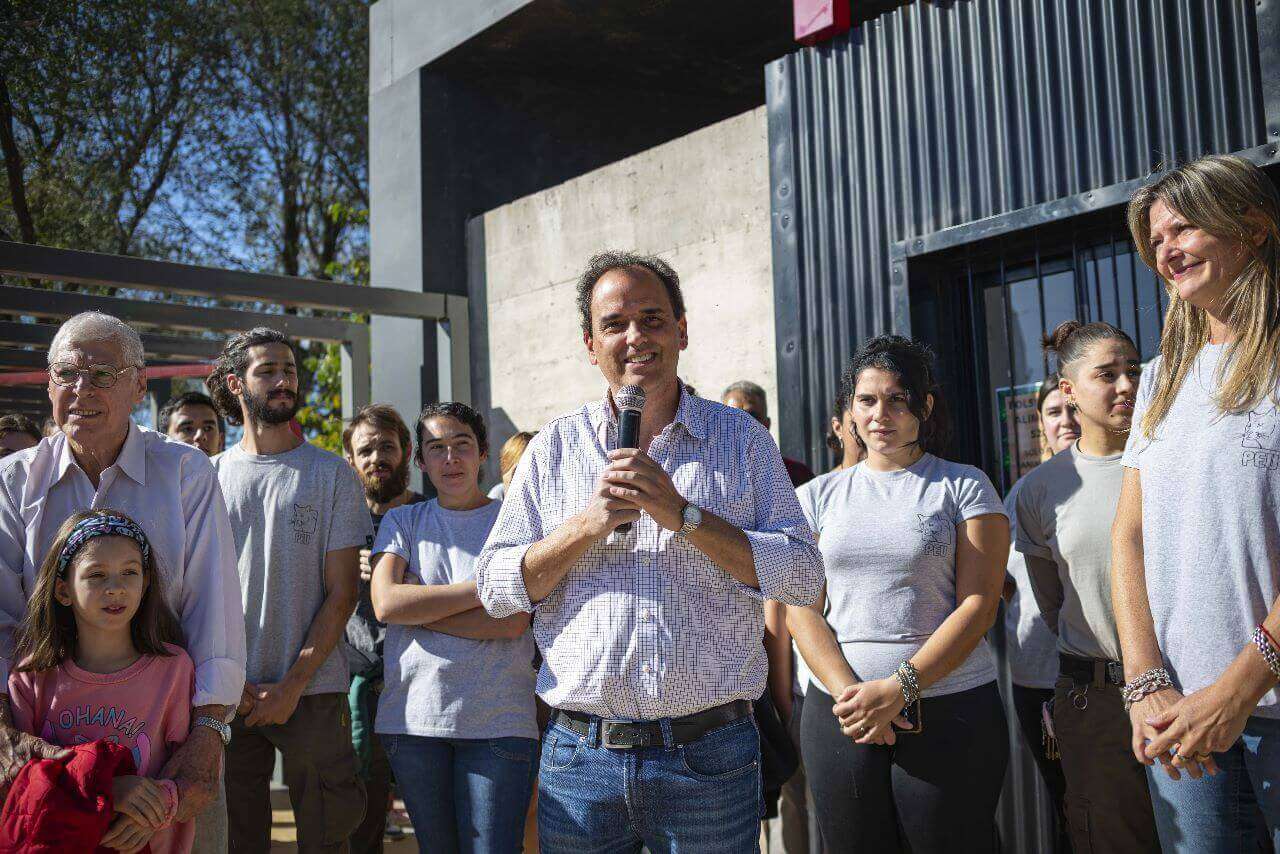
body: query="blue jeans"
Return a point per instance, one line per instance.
(1230, 812)
(465, 795)
(699, 798)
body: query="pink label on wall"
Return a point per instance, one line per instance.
(818, 20)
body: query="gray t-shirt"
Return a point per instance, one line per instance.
(1030, 646)
(287, 512)
(1210, 524)
(1064, 516)
(888, 540)
(436, 684)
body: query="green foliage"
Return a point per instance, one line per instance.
(321, 417)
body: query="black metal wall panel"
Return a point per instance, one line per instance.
(942, 113)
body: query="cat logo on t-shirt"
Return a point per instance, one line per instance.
(304, 521)
(1261, 438)
(936, 532)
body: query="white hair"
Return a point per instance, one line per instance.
(99, 326)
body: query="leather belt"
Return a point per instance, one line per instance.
(1097, 671)
(622, 735)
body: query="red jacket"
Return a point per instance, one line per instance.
(63, 805)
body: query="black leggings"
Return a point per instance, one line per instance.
(933, 791)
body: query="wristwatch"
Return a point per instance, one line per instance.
(223, 731)
(692, 517)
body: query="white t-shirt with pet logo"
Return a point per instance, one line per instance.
(888, 540)
(1210, 524)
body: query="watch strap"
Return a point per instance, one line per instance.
(688, 525)
(223, 731)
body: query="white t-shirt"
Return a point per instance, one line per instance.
(888, 540)
(1210, 524)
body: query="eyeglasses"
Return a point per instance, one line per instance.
(100, 376)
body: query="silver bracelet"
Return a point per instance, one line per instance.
(1269, 653)
(1153, 680)
(909, 680)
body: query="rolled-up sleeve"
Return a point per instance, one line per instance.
(210, 610)
(500, 567)
(13, 594)
(786, 557)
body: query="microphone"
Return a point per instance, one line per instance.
(630, 401)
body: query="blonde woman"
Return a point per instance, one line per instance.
(1196, 541)
(512, 450)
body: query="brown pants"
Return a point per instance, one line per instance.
(319, 768)
(1108, 805)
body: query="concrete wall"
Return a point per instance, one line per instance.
(700, 201)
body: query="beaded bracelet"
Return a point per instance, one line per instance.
(1262, 640)
(909, 679)
(1153, 680)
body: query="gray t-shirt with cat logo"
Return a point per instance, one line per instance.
(287, 512)
(1210, 524)
(888, 540)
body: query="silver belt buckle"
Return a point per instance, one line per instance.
(1115, 672)
(623, 735)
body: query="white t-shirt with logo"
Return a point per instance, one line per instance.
(1210, 524)
(888, 540)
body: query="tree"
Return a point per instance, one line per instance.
(100, 105)
(294, 194)
(231, 134)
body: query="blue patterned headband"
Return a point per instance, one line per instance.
(101, 526)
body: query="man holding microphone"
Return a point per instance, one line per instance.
(651, 636)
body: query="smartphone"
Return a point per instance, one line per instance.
(912, 713)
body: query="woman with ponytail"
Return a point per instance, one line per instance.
(1196, 543)
(1063, 514)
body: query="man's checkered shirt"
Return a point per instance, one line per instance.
(644, 625)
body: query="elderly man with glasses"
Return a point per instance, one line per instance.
(101, 459)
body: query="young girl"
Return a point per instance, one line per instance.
(100, 660)
(915, 548)
(457, 713)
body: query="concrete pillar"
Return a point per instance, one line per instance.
(397, 346)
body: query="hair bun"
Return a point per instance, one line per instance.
(1057, 339)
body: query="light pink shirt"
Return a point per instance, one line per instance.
(146, 708)
(172, 491)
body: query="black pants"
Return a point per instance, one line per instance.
(1027, 703)
(933, 791)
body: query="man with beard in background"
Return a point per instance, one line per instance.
(299, 525)
(378, 445)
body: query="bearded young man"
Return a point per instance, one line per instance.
(378, 445)
(299, 524)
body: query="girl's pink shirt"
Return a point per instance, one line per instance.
(146, 708)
